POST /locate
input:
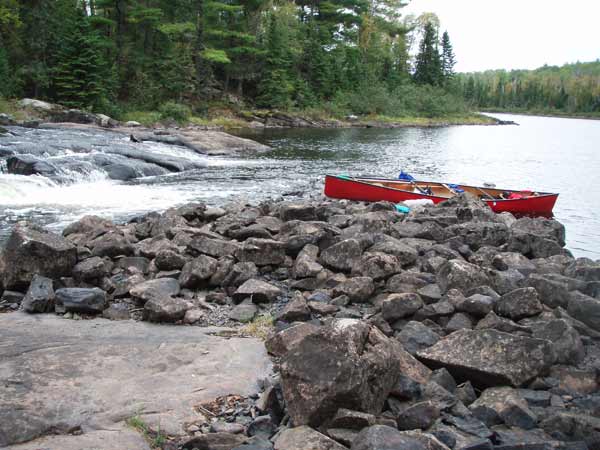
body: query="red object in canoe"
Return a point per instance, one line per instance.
(396, 191)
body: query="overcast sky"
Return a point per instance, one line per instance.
(517, 34)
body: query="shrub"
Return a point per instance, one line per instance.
(175, 111)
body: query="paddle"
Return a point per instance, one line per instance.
(408, 177)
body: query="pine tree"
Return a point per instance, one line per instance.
(428, 67)
(5, 74)
(448, 58)
(81, 78)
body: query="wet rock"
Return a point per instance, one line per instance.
(519, 304)
(283, 341)
(343, 255)
(415, 336)
(40, 296)
(296, 310)
(398, 306)
(490, 357)
(259, 291)
(381, 437)
(585, 309)
(304, 438)
(90, 226)
(33, 251)
(93, 268)
(195, 273)
(460, 275)
(30, 165)
(306, 264)
(261, 252)
(565, 339)
(347, 364)
(358, 289)
(418, 416)
(81, 300)
(169, 260)
(503, 405)
(165, 309)
(159, 288)
(376, 265)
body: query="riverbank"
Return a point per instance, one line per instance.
(379, 323)
(543, 113)
(32, 112)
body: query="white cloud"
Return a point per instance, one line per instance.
(517, 34)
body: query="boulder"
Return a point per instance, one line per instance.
(244, 312)
(296, 310)
(503, 405)
(477, 234)
(565, 340)
(343, 255)
(262, 252)
(382, 437)
(358, 289)
(33, 251)
(490, 358)
(418, 416)
(81, 300)
(91, 269)
(216, 248)
(91, 226)
(237, 275)
(353, 420)
(477, 305)
(215, 441)
(159, 288)
(111, 244)
(584, 269)
(536, 237)
(165, 309)
(30, 165)
(281, 342)
(415, 336)
(398, 306)
(376, 265)
(259, 291)
(304, 438)
(196, 272)
(512, 260)
(552, 292)
(405, 254)
(347, 364)
(519, 304)
(40, 296)
(458, 274)
(585, 309)
(306, 264)
(169, 260)
(297, 211)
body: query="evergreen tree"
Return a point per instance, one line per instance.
(81, 78)
(5, 75)
(448, 58)
(428, 67)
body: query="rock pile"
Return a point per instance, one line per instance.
(447, 328)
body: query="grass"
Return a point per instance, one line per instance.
(10, 107)
(545, 112)
(261, 327)
(466, 119)
(155, 439)
(221, 122)
(146, 118)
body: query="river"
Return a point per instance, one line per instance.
(543, 154)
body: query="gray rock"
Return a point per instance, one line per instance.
(262, 426)
(353, 420)
(492, 321)
(296, 310)
(196, 272)
(536, 237)
(415, 336)
(378, 265)
(343, 255)
(519, 304)
(216, 248)
(259, 291)
(297, 211)
(512, 260)
(215, 441)
(32, 251)
(398, 306)
(347, 364)
(244, 312)
(552, 292)
(418, 416)
(477, 305)
(460, 275)
(117, 311)
(159, 288)
(238, 274)
(459, 321)
(565, 339)
(583, 269)
(111, 244)
(477, 234)
(503, 405)
(586, 309)
(283, 341)
(306, 264)
(304, 438)
(169, 260)
(81, 300)
(506, 281)
(358, 289)
(227, 427)
(490, 357)
(262, 252)
(90, 269)
(381, 437)
(165, 309)
(40, 296)
(404, 254)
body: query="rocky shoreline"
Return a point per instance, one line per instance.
(449, 327)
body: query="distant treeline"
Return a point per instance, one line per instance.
(570, 89)
(103, 54)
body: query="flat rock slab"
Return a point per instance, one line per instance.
(59, 375)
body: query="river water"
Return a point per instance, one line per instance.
(543, 154)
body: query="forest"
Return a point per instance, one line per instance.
(181, 57)
(572, 89)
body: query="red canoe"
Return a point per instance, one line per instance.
(396, 191)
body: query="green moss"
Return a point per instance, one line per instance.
(156, 439)
(146, 118)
